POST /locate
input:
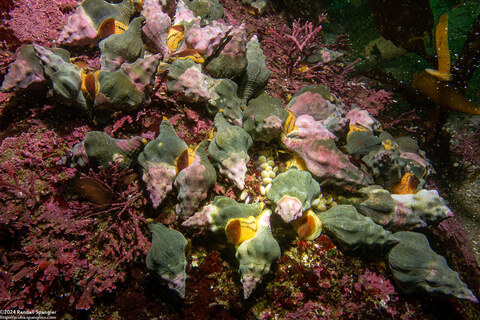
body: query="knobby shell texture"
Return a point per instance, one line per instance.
(400, 212)
(64, 77)
(27, 70)
(216, 215)
(264, 118)
(231, 61)
(124, 47)
(316, 146)
(257, 73)
(223, 96)
(83, 26)
(156, 27)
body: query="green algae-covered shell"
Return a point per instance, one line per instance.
(236, 210)
(224, 97)
(257, 73)
(377, 203)
(101, 149)
(164, 149)
(64, 76)
(123, 47)
(161, 160)
(352, 231)
(264, 118)
(206, 10)
(166, 256)
(27, 69)
(228, 150)
(417, 269)
(293, 191)
(256, 255)
(117, 92)
(99, 10)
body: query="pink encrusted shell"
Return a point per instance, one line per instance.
(184, 15)
(194, 181)
(316, 146)
(24, 71)
(206, 40)
(79, 30)
(362, 118)
(193, 84)
(159, 180)
(156, 27)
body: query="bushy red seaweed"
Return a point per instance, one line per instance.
(52, 244)
(287, 51)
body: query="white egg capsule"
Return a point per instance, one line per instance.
(271, 163)
(262, 159)
(275, 169)
(268, 187)
(267, 181)
(263, 191)
(264, 166)
(271, 174)
(316, 202)
(328, 199)
(321, 207)
(265, 174)
(243, 195)
(268, 168)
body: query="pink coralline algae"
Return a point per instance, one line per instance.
(193, 85)
(292, 46)
(38, 21)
